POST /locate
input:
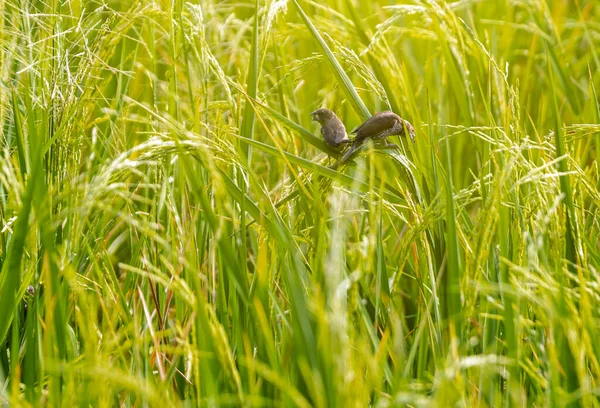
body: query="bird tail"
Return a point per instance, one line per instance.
(349, 152)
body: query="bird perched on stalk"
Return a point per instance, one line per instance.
(378, 127)
(332, 128)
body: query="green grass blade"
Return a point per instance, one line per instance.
(452, 251)
(305, 134)
(21, 143)
(566, 357)
(247, 128)
(339, 73)
(328, 172)
(565, 184)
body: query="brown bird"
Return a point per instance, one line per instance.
(332, 128)
(378, 127)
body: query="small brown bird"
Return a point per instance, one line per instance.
(332, 128)
(378, 127)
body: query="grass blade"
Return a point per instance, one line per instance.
(343, 79)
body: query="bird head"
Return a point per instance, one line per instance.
(410, 129)
(322, 115)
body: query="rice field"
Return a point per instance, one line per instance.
(174, 231)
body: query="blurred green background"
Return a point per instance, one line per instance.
(172, 232)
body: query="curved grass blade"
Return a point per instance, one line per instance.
(305, 134)
(10, 275)
(343, 79)
(375, 64)
(323, 171)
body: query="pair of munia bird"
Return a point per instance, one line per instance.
(377, 128)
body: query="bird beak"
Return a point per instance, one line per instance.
(314, 119)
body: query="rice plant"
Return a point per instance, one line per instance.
(175, 232)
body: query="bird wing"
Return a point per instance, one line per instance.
(356, 129)
(341, 136)
(375, 125)
(339, 132)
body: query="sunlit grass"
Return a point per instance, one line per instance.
(174, 231)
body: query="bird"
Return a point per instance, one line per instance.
(378, 127)
(332, 128)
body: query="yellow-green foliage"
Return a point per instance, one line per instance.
(174, 231)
